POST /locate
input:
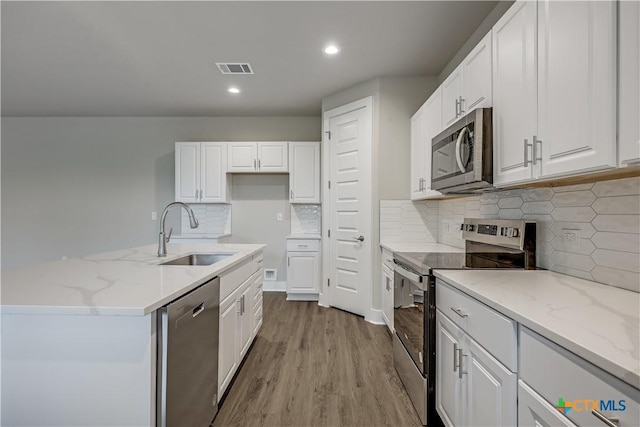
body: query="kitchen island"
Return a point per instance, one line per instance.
(79, 335)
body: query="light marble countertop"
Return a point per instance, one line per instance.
(419, 247)
(120, 283)
(597, 322)
(200, 236)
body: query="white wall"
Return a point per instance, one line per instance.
(73, 186)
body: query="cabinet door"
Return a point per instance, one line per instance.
(576, 86)
(229, 344)
(304, 172)
(243, 157)
(451, 94)
(449, 396)
(187, 172)
(490, 388)
(514, 93)
(418, 145)
(534, 411)
(432, 126)
(387, 296)
(302, 272)
(213, 171)
(629, 84)
(246, 317)
(273, 157)
(476, 72)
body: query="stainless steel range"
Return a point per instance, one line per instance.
(489, 243)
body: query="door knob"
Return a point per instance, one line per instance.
(360, 239)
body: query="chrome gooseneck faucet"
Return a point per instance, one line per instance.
(162, 240)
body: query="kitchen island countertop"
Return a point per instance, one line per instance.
(127, 282)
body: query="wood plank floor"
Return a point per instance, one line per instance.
(315, 366)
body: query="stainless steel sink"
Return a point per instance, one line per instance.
(197, 259)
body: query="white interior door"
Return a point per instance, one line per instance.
(350, 209)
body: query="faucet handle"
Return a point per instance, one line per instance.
(169, 235)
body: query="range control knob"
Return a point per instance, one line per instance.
(509, 232)
(467, 227)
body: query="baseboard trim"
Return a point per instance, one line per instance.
(303, 297)
(268, 286)
(375, 317)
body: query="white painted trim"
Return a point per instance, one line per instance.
(302, 297)
(324, 299)
(269, 286)
(375, 317)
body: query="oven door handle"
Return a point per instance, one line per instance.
(407, 274)
(458, 147)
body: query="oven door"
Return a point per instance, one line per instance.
(410, 296)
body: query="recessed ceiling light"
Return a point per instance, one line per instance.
(332, 49)
(233, 89)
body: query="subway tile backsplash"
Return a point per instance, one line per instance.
(213, 219)
(605, 216)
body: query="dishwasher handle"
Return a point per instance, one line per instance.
(198, 309)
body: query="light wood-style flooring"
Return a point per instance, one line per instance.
(316, 366)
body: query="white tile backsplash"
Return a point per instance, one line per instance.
(606, 215)
(213, 219)
(306, 219)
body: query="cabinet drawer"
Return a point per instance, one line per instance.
(231, 280)
(257, 286)
(299, 245)
(534, 411)
(495, 332)
(555, 373)
(387, 258)
(258, 261)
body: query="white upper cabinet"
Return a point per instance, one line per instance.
(451, 96)
(304, 172)
(629, 83)
(469, 85)
(476, 76)
(258, 157)
(201, 172)
(576, 86)
(514, 93)
(425, 124)
(187, 170)
(554, 90)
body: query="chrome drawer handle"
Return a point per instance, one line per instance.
(455, 358)
(460, 356)
(459, 312)
(611, 422)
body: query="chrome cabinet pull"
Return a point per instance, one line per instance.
(200, 194)
(459, 312)
(255, 164)
(611, 422)
(196, 195)
(534, 149)
(460, 356)
(526, 152)
(455, 355)
(239, 306)
(288, 261)
(291, 194)
(461, 101)
(457, 106)
(259, 165)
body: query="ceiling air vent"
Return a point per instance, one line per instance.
(234, 68)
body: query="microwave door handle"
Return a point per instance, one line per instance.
(458, 147)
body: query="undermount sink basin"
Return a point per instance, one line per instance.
(197, 259)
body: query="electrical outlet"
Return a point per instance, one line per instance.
(446, 226)
(571, 237)
(154, 216)
(279, 216)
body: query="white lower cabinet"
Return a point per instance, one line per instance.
(387, 288)
(473, 388)
(238, 313)
(534, 411)
(303, 268)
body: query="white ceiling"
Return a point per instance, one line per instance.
(158, 58)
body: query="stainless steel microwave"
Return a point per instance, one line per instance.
(462, 155)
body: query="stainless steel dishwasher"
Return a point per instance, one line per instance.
(187, 366)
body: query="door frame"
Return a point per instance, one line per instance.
(370, 314)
